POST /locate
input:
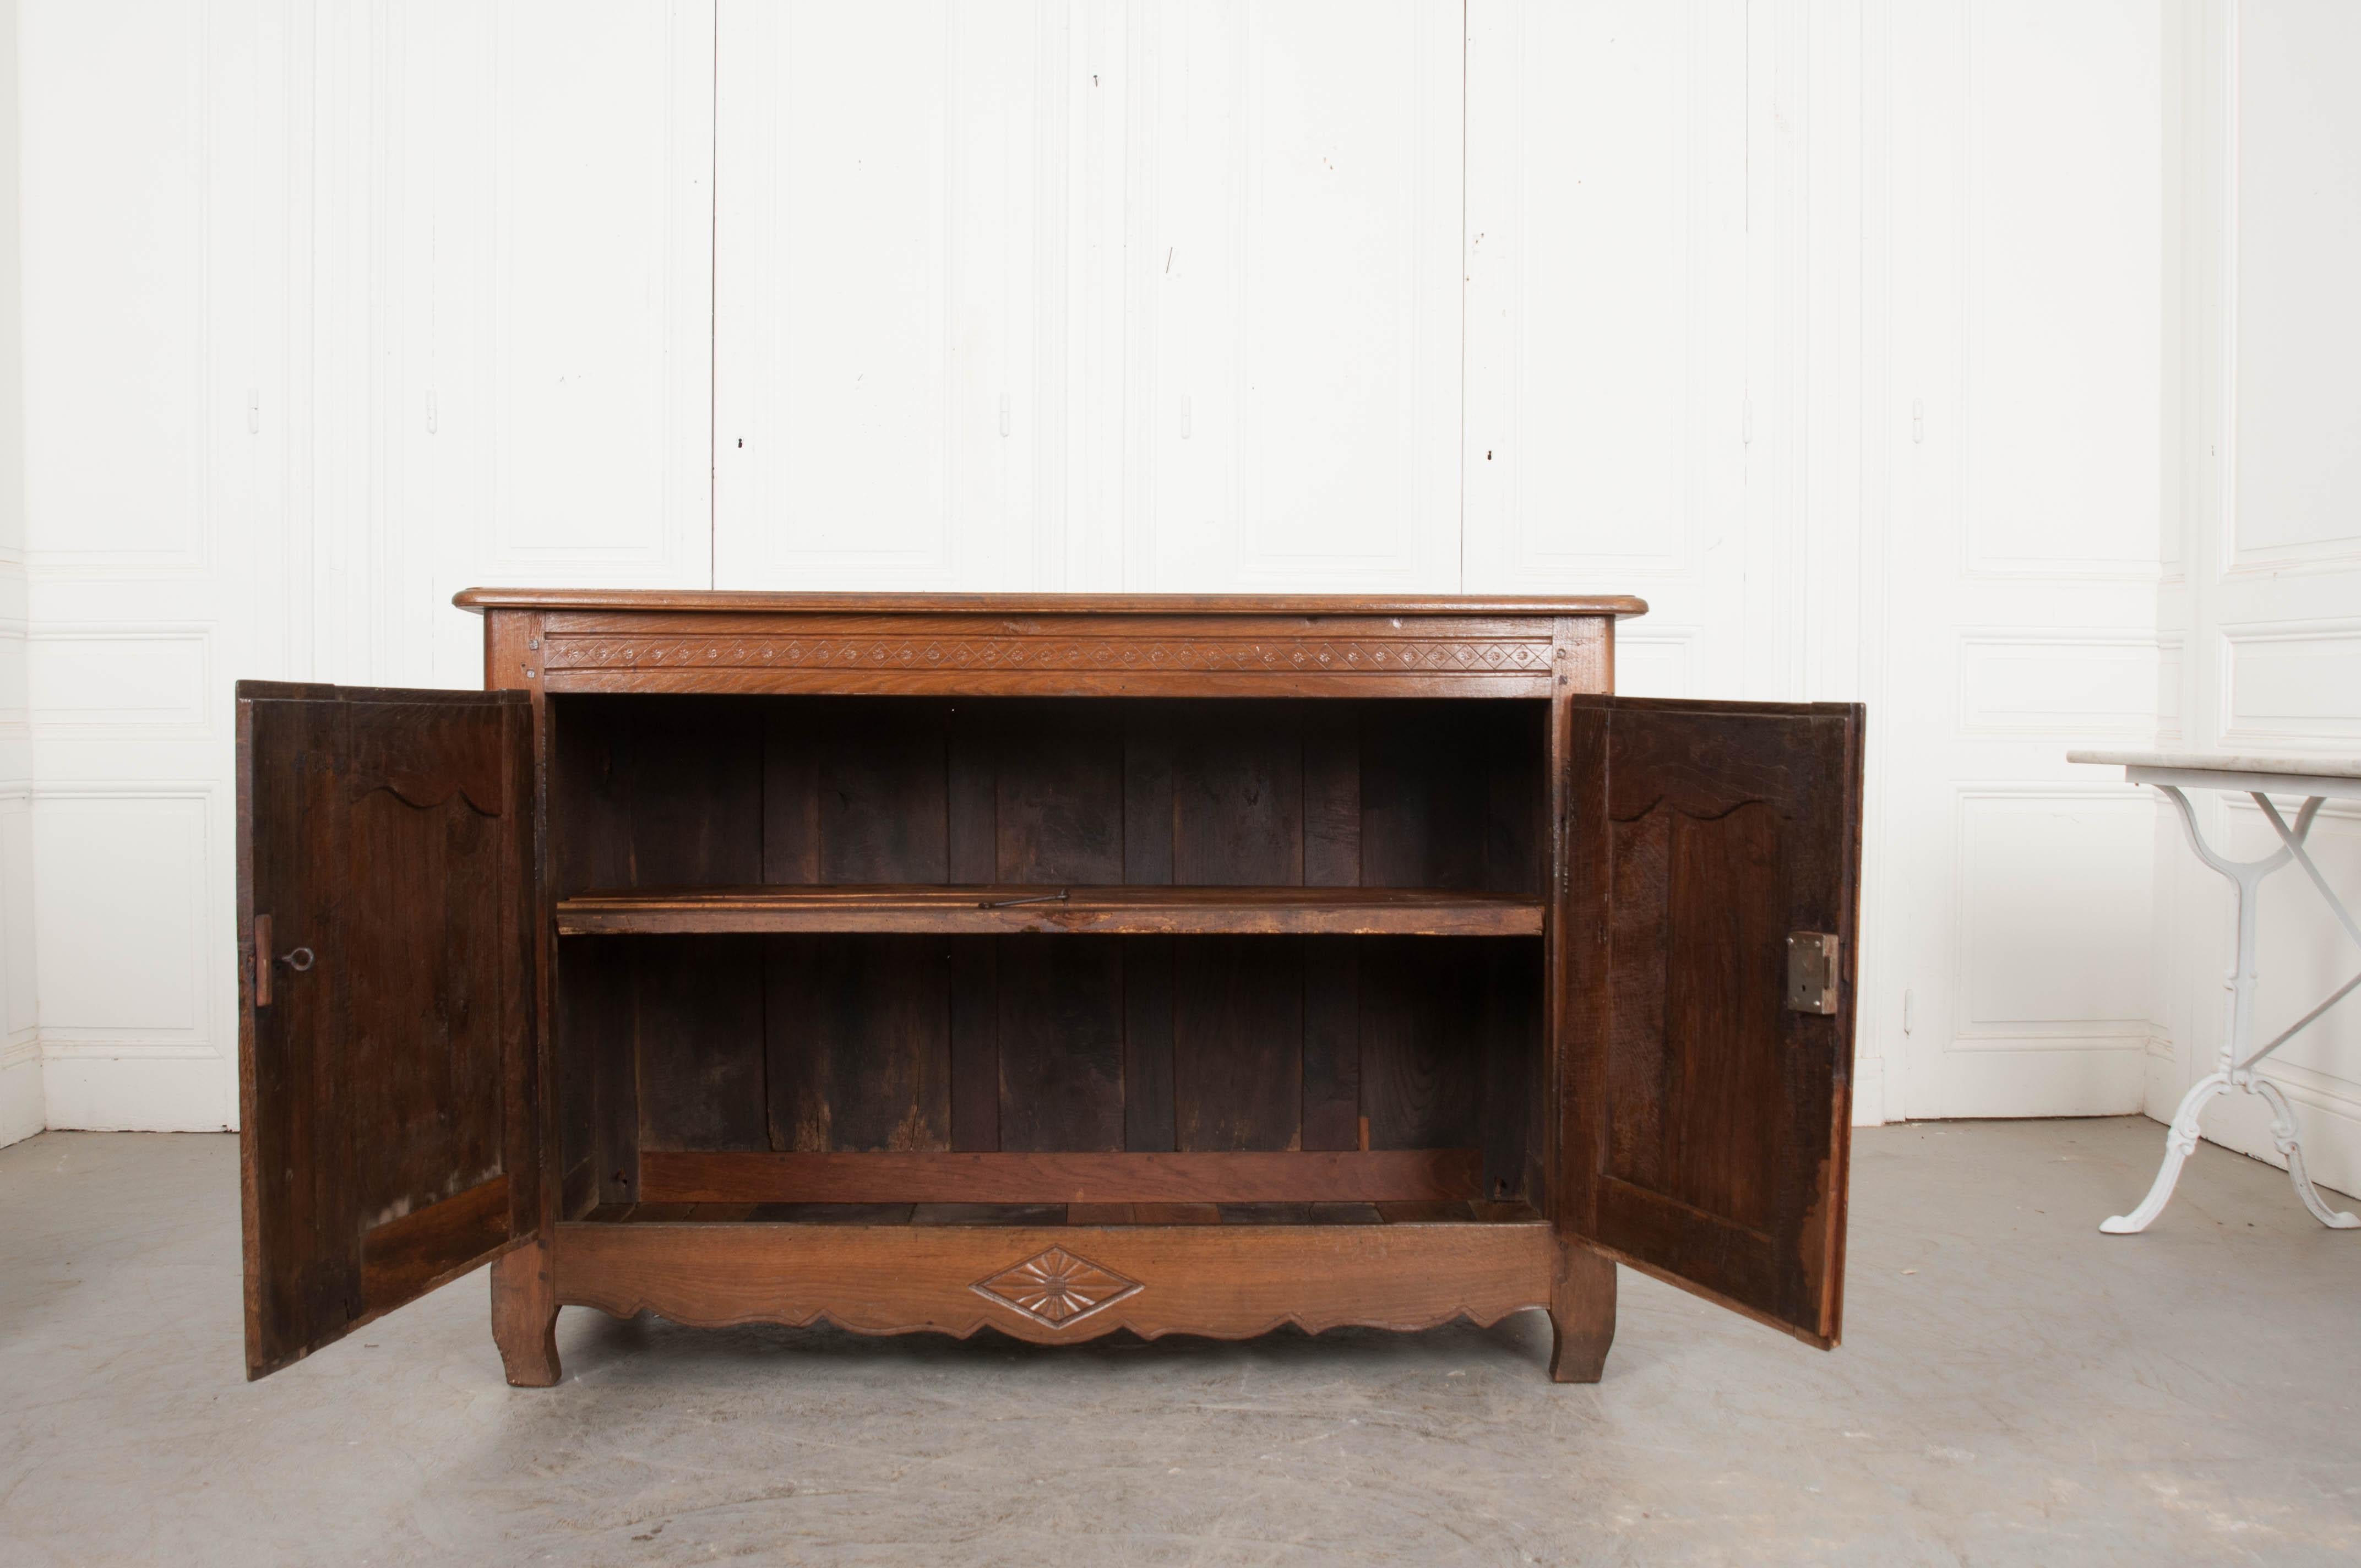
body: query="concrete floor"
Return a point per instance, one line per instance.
(2014, 1388)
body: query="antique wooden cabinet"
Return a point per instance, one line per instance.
(1056, 963)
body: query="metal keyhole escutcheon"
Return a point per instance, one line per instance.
(298, 960)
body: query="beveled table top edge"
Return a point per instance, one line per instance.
(731, 599)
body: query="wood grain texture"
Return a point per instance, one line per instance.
(525, 1315)
(1582, 1314)
(402, 1257)
(1237, 1043)
(858, 1045)
(1347, 1176)
(1144, 911)
(699, 1043)
(1422, 1042)
(1147, 1065)
(1221, 1280)
(845, 649)
(1237, 794)
(1706, 1126)
(975, 1043)
(380, 1080)
(1332, 1043)
(1060, 1031)
(1059, 807)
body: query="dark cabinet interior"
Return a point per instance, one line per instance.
(1050, 1041)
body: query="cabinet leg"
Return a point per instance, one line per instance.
(525, 1315)
(1582, 1314)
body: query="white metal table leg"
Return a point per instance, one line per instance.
(2179, 1143)
(2235, 1068)
(2283, 1134)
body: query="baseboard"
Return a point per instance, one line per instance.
(1868, 1091)
(23, 1112)
(2328, 1126)
(141, 1094)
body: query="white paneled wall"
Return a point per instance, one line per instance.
(888, 388)
(2024, 557)
(1859, 336)
(1296, 170)
(1609, 358)
(2262, 604)
(22, 1107)
(152, 243)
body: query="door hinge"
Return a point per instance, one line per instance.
(1811, 971)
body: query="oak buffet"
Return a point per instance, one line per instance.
(1056, 963)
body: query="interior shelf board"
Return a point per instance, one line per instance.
(1139, 911)
(1459, 1213)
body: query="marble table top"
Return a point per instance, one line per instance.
(2334, 777)
(2227, 762)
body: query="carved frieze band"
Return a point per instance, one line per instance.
(1310, 657)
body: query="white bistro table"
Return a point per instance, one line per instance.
(2318, 780)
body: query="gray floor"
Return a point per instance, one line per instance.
(2013, 1388)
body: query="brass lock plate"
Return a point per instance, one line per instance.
(1811, 971)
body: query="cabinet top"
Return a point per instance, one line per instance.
(1049, 604)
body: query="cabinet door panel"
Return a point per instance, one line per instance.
(389, 1135)
(1705, 1121)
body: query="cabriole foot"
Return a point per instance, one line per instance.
(1582, 1314)
(525, 1315)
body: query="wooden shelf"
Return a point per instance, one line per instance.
(1138, 911)
(944, 1176)
(1435, 1212)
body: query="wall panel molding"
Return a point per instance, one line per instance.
(112, 679)
(2057, 681)
(2291, 683)
(127, 958)
(2043, 956)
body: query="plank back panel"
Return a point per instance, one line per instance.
(857, 1046)
(1061, 1042)
(697, 1023)
(1237, 1043)
(1059, 815)
(1238, 795)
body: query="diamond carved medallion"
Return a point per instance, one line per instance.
(1056, 1288)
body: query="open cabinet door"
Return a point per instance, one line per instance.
(387, 1085)
(1713, 876)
